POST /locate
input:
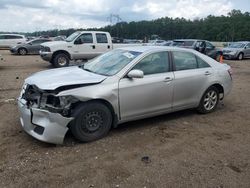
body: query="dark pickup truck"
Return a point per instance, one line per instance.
(202, 46)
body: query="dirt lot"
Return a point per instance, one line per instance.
(184, 149)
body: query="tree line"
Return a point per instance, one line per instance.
(233, 27)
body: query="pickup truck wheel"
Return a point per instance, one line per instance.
(209, 100)
(22, 51)
(240, 56)
(61, 60)
(92, 121)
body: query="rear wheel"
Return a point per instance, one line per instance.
(22, 51)
(240, 56)
(218, 57)
(61, 60)
(209, 100)
(92, 121)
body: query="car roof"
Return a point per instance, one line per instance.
(144, 49)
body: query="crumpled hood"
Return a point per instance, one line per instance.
(54, 78)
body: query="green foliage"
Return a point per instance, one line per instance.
(233, 27)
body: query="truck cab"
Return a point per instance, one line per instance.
(80, 45)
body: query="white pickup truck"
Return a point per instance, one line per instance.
(81, 45)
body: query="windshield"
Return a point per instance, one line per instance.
(111, 62)
(236, 45)
(72, 36)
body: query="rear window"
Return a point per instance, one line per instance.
(183, 43)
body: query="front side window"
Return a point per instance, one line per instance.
(248, 45)
(184, 61)
(101, 38)
(154, 63)
(86, 38)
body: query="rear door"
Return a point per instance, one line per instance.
(192, 77)
(151, 94)
(102, 43)
(36, 45)
(84, 47)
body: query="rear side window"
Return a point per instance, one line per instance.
(184, 61)
(202, 63)
(101, 38)
(86, 38)
(154, 63)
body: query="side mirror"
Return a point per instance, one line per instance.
(135, 74)
(78, 41)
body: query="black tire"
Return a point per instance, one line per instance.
(92, 121)
(61, 60)
(209, 100)
(240, 56)
(22, 51)
(218, 56)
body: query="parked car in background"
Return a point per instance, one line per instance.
(202, 46)
(237, 50)
(9, 40)
(31, 47)
(59, 38)
(80, 45)
(120, 86)
(159, 42)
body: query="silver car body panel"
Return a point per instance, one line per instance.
(54, 78)
(55, 125)
(130, 99)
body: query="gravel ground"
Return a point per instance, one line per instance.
(181, 149)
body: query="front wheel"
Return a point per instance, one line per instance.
(209, 100)
(240, 56)
(22, 51)
(61, 60)
(92, 121)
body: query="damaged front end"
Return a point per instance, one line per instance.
(48, 100)
(44, 115)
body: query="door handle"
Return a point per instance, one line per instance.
(168, 79)
(207, 73)
(108, 47)
(93, 46)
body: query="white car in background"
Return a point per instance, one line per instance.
(9, 40)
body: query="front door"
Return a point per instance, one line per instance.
(151, 94)
(84, 47)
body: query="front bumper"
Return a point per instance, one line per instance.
(46, 56)
(229, 55)
(43, 125)
(13, 51)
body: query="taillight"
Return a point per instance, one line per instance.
(230, 72)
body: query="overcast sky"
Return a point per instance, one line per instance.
(32, 15)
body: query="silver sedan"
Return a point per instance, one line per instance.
(122, 85)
